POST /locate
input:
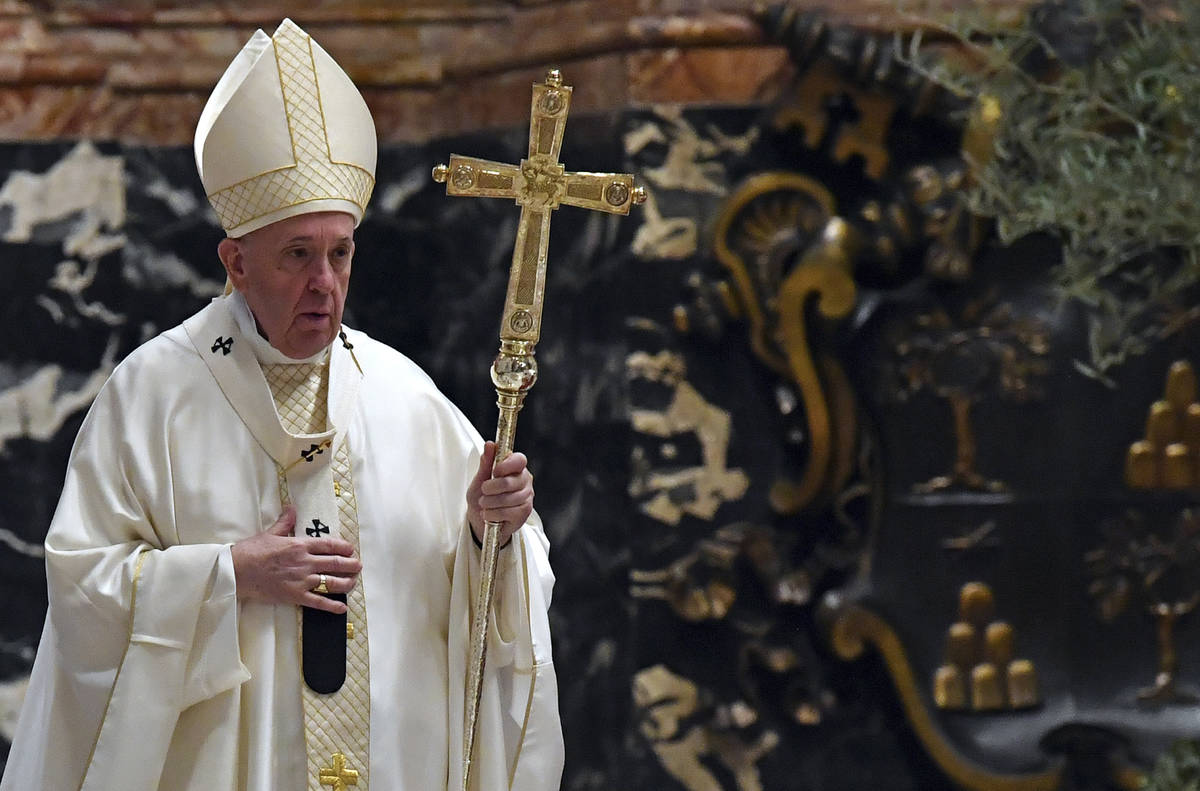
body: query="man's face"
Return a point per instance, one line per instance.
(294, 274)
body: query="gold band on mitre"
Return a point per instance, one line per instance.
(284, 133)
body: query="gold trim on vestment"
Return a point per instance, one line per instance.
(137, 574)
(512, 774)
(336, 722)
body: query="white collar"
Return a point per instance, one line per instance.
(263, 350)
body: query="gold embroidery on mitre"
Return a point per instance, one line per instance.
(315, 175)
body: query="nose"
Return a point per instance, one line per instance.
(321, 277)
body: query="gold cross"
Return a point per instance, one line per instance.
(539, 184)
(338, 775)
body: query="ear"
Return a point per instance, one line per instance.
(230, 253)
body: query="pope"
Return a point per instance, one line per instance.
(262, 566)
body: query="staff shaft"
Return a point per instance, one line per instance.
(514, 372)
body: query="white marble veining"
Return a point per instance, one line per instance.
(691, 163)
(12, 693)
(395, 195)
(72, 280)
(180, 200)
(711, 483)
(85, 187)
(20, 545)
(36, 409)
(144, 266)
(658, 237)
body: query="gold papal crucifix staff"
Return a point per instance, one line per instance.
(539, 185)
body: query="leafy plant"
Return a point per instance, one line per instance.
(1093, 110)
(1178, 769)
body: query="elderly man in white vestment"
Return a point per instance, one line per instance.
(263, 562)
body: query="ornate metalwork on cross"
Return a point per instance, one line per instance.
(539, 184)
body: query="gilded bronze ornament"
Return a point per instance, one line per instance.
(539, 185)
(1168, 456)
(987, 349)
(980, 671)
(781, 243)
(1138, 567)
(852, 627)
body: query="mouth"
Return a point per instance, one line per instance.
(314, 319)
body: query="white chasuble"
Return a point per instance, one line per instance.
(152, 674)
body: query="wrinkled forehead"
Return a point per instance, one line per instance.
(329, 226)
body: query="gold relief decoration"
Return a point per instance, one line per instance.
(980, 672)
(937, 194)
(974, 539)
(862, 133)
(1136, 567)
(782, 247)
(770, 218)
(703, 584)
(667, 494)
(987, 350)
(682, 729)
(852, 627)
(724, 583)
(903, 220)
(1168, 456)
(845, 102)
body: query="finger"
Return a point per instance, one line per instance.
(329, 546)
(486, 460)
(334, 583)
(498, 487)
(336, 564)
(508, 516)
(286, 523)
(522, 496)
(515, 464)
(319, 602)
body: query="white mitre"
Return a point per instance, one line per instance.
(285, 132)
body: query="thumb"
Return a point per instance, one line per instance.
(486, 460)
(286, 523)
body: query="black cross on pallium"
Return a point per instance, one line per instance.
(313, 452)
(317, 529)
(225, 345)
